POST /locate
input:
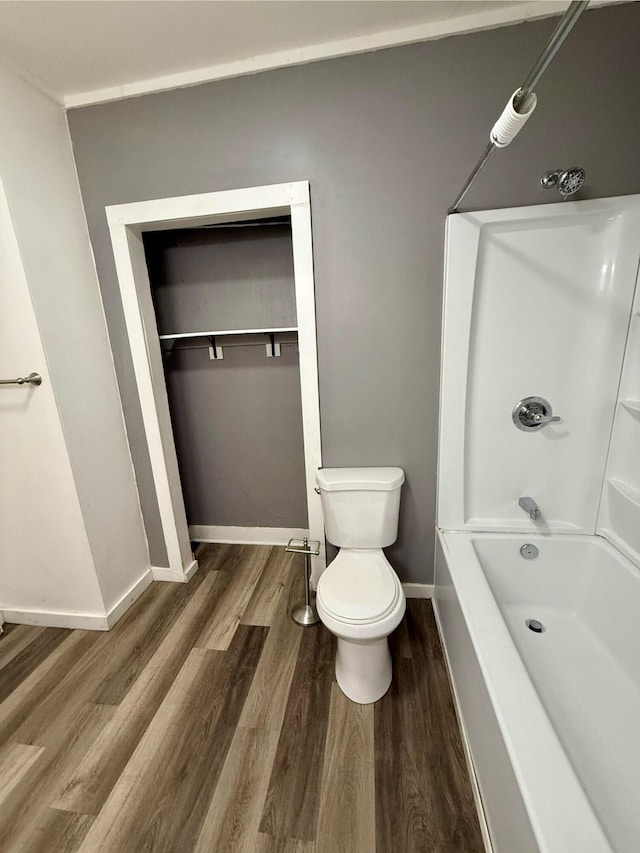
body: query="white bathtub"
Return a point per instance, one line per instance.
(551, 720)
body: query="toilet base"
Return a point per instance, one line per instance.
(363, 669)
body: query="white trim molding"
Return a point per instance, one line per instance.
(60, 619)
(502, 15)
(127, 223)
(162, 573)
(84, 621)
(418, 590)
(124, 603)
(245, 535)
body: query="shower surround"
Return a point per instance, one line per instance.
(539, 301)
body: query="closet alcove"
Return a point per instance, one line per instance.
(225, 308)
(130, 225)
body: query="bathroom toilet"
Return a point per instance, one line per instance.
(359, 597)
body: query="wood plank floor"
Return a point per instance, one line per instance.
(206, 720)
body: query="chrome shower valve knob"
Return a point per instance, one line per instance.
(533, 413)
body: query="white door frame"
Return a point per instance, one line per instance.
(127, 223)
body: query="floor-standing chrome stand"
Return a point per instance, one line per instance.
(305, 613)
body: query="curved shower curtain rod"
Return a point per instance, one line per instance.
(523, 101)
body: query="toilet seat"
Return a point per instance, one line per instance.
(359, 587)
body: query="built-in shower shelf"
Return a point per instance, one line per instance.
(622, 515)
(629, 493)
(632, 406)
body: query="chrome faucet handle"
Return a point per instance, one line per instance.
(533, 413)
(539, 418)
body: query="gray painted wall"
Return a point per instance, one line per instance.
(222, 278)
(237, 422)
(386, 139)
(238, 430)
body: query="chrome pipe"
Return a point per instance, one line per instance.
(488, 151)
(31, 379)
(565, 25)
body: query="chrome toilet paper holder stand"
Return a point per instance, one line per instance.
(305, 613)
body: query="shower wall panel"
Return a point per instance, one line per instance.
(538, 299)
(619, 518)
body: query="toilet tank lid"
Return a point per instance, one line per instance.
(352, 479)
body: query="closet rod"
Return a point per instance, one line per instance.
(207, 346)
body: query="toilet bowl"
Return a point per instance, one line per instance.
(359, 596)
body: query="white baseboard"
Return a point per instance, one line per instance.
(191, 569)
(162, 573)
(86, 621)
(121, 606)
(418, 590)
(245, 535)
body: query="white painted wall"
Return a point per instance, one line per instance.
(45, 559)
(38, 173)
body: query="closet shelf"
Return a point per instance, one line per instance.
(632, 406)
(629, 492)
(215, 334)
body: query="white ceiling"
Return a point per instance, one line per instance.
(87, 51)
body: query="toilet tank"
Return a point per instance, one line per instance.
(361, 505)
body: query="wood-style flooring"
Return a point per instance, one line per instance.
(206, 720)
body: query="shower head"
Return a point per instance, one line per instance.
(568, 181)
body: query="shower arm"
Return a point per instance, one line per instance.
(520, 99)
